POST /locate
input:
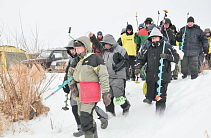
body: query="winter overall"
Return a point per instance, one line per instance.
(89, 70)
(117, 89)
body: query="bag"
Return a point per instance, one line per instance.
(89, 92)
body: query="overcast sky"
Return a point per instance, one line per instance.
(54, 17)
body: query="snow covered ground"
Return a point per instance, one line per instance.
(187, 114)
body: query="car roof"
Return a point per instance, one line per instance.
(56, 49)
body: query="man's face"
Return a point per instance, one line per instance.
(72, 51)
(147, 25)
(190, 24)
(100, 36)
(129, 31)
(107, 46)
(80, 49)
(155, 39)
(207, 34)
(166, 25)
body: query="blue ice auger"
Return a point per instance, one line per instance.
(183, 39)
(158, 98)
(60, 86)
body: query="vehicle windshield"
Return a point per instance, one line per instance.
(44, 54)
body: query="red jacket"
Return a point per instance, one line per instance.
(95, 50)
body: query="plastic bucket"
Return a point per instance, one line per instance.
(89, 92)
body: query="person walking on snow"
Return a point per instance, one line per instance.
(152, 55)
(89, 72)
(128, 43)
(99, 38)
(168, 33)
(142, 34)
(195, 38)
(116, 60)
(102, 115)
(208, 56)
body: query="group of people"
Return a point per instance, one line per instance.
(101, 65)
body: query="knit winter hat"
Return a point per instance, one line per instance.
(207, 30)
(148, 20)
(99, 33)
(123, 30)
(190, 19)
(167, 20)
(129, 27)
(70, 45)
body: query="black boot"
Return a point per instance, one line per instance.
(126, 107)
(194, 77)
(184, 76)
(104, 123)
(110, 107)
(148, 101)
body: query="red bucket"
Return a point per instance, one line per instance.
(90, 92)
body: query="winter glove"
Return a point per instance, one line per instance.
(137, 71)
(119, 66)
(106, 98)
(74, 90)
(114, 67)
(66, 89)
(163, 55)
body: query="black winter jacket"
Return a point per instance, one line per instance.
(170, 36)
(151, 56)
(194, 39)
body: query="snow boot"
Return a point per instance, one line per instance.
(78, 134)
(126, 110)
(104, 123)
(194, 77)
(175, 77)
(148, 101)
(184, 76)
(103, 117)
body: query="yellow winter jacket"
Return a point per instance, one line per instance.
(209, 41)
(129, 44)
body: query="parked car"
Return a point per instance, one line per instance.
(46, 57)
(59, 66)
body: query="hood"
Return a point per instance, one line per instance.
(109, 39)
(155, 32)
(70, 45)
(86, 41)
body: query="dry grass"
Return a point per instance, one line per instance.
(1, 125)
(17, 91)
(204, 66)
(206, 133)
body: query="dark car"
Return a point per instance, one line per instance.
(46, 57)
